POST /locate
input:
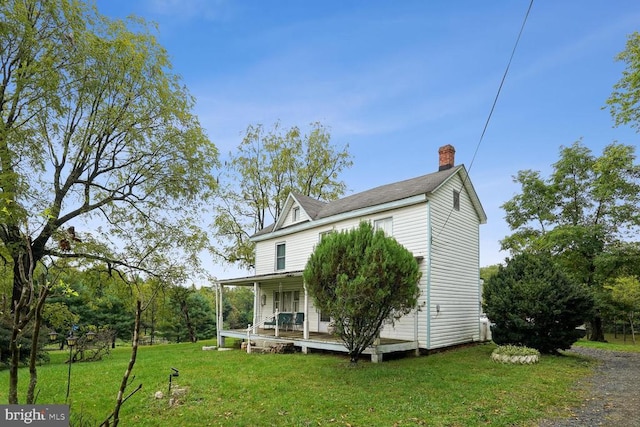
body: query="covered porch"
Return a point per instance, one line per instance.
(284, 314)
(317, 341)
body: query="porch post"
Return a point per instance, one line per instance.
(256, 300)
(219, 320)
(305, 323)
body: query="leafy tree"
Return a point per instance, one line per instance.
(59, 318)
(624, 102)
(581, 213)
(93, 127)
(202, 316)
(193, 317)
(238, 307)
(362, 279)
(488, 271)
(25, 343)
(180, 300)
(532, 303)
(264, 169)
(625, 292)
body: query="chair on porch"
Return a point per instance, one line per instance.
(285, 320)
(298, 320)
(270, 322)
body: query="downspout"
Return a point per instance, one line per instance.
(415, 327)
(429, 254)
(480, 290)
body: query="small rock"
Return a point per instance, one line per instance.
(159, 395)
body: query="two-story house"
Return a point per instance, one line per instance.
(436, 216)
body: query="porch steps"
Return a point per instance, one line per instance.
(280, 347)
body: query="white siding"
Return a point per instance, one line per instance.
(409, 229)
(288, 219)
(453, 282)
(450, 270)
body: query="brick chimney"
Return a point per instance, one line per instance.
(446, 155)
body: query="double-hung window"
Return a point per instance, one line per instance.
(385, 224)
(286, 301)
(280, 256)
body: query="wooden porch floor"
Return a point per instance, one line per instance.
(319, 341)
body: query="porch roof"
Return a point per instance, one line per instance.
(262, 278)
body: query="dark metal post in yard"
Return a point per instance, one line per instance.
(174, 373)
(71, 341)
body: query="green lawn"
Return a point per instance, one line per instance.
(455, 388)
(614, 343)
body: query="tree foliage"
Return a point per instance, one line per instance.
(238, 307)
(192, 317)
(489, 271)
(533, 304)
(624, 102)
(95, 132)
(625, 293)
(362, 279)
(260, 174)
(582, 212)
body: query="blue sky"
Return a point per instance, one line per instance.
(397, 79)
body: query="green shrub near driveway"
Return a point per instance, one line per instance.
(532, 303)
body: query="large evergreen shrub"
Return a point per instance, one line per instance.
(363, 280)
(532, 303)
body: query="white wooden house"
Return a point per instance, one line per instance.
(436, 216)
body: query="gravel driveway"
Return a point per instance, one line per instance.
(614, 392)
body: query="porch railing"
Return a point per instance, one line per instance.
(253, 328)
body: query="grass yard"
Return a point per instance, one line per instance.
(614, 343)
(460, 387)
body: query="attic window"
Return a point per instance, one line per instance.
(295, 215)
(456, 200)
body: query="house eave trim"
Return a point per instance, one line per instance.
(420, 198)
(250, 280)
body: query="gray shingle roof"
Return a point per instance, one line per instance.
(310, 205)
(387, 193)
(384, 194)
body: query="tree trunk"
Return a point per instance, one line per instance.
(597, 333)
(192, 333)
(13, 367)
(22, 279)
(33, 357)
(125, 378)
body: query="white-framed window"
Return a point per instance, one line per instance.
(286, 301)
(384, 224)
(456, 200)
(295, 304)
(280, 256)
(324, 234)
(295, 214)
